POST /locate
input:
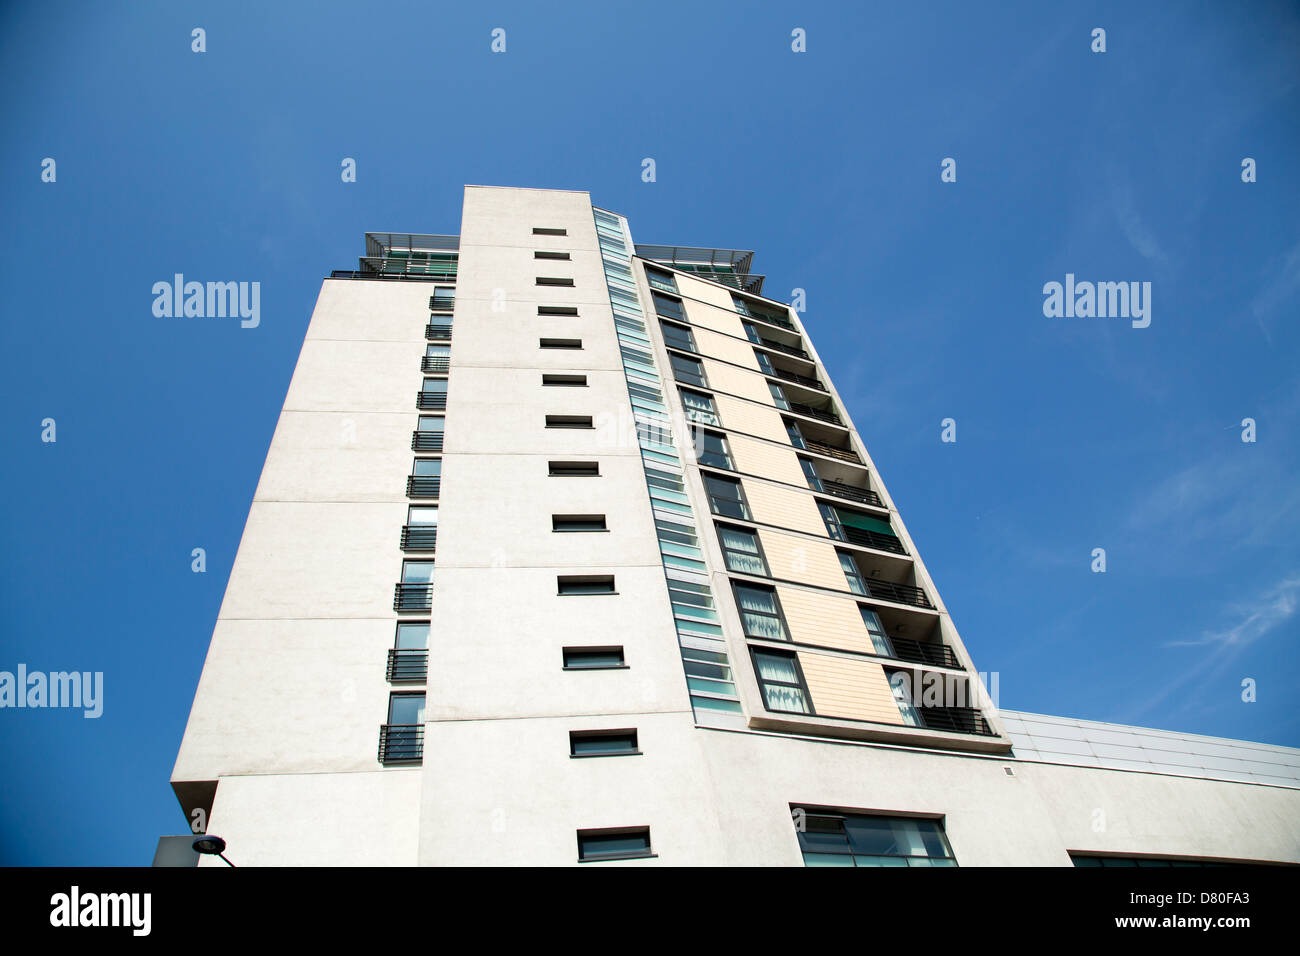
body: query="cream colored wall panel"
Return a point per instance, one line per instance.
(754, 457)
(736, 351)
(784, 507)
(790, 558)
(824, 620)
(848, 688)
(707, 291)
(761, 420)
(728, 378)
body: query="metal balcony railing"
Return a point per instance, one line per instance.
(803, 380)
(401, 743)
(870, 539)
(435, 363)
(423, 486)
(435, 401)
(821, 448)
(426, 441)
(407, 664)
(437, 304)
(841, 490)
(899, 593)
(781, 347)
(924, 652)
(801, 409)
(437, 332)
(419, 537)
(958, 720)
(413, 597)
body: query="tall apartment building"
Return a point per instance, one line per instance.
(566, 549)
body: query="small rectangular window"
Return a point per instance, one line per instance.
(832, 837)
(781, 680)
(554, 280)
(574, 469)
(687, 370)
(557, 310)
(550, 255)
(559, 343)
(725, 497)
(443, 299)
(602, 743)
(622, 843)
(568, 421)
(585, 583)
(711, 449)
(741, 550)
(549, 231)
(658, 279)
(578, 523)
(678, 337)
(669, 308)
(565, 381)
(594, 658)
(760, 612)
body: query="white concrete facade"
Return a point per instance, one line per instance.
(281, 747)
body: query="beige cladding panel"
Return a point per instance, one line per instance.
(709, 292)
(736, 381)
(719, 320)
(790, 558)
(737, 351)
(761, 420)
(824, 620)
(784, 507)
(848, 688)
(755, 457)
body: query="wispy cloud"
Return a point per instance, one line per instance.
(1135, 229)
(1258, 619)
(1280, 288)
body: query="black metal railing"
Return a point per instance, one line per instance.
(924, 652)
(435, 363)
(841, 490)
(413, 597)
(871, 539)
(899, 593)
(426, 441)
(781, 347)
(431, 400)
(401, 743)
(441, 305)
(423, 486)
(797, 378)
(419, 537)
(407, 664)
(437, 332)
(770, 319)
(821, 448)
(958, 720)
(801, 409)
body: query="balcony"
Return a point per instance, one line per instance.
(957, 720)
(898, 593)
(423, 486)
(821, 448)
(406, 665)
(413, 597)
(419, 537)
(435, 401)
(437, 332)
(435, 363)
(782, 347)
(823, 415)
(840, 490)
(442, 303)
(804, 380)
(923, 652)
(401, 743)
(426, 441)
(870, 539)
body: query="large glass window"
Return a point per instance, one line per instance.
(898, 683)
(431, 424)
(417, 572)
(422, 515)
(443, 298)
(851, 572)
(781, 681)
(406, 709)
(699, 407)
(830, 838)
(412, 637)
(796, 437)
(711, 449)
(764, 363)
(427, 468)
(740, 549)
(661, 280)
(678, 337)
(879, 640)
(669, 308)
(778, 396)
(760, 612)
(810, 472)
(725, 497)
(687, 370)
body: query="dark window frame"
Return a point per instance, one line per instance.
(559, 281)
(578, 580)
(576, 736)
(584, 857)
(563, 380)
(575, 651)
(758, 541)
(745, 515)
(549, 231)
(798, 669)
(778, 614)
(569, 421)
(569, 469)
(572, 345)
(558, 520)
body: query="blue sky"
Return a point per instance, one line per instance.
(924, 298)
